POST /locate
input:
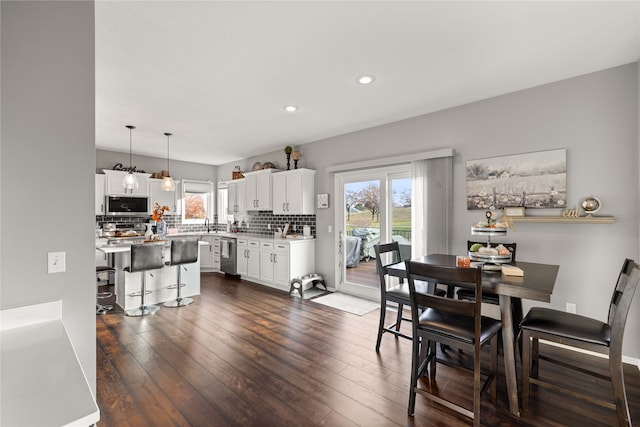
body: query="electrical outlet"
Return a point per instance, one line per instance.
(330, 229)
(56, 262)
(268, 226)
(571, 308)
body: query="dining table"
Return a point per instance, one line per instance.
(535, 284)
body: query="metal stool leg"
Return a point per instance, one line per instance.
(179, 301)
(144, 309)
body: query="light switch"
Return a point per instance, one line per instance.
(56, 262)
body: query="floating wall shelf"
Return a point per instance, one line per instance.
(575, 220)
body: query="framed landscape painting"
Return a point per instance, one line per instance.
(530, 180)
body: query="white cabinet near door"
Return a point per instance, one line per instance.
(99, 195)
(293, 192)
(170, 199)
(258, 190)
(274, 263)
(114, 184)
(236, 193)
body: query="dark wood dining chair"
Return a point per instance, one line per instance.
(584, 333)
(489, 298)
(388, 254)
(453, 322)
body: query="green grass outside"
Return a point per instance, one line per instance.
(401, 218)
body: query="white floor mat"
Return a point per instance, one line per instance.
(347, 303)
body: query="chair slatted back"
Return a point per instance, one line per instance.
(386, 254)
(621, 303)
(458, 276)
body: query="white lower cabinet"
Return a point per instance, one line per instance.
(248, 258)
(241, 257)
(253, 259)
(210, 254)
(274, 263)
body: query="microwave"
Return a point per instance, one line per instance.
(127, 206)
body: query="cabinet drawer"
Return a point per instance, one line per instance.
(268, 246)
(241, 242)
(253, 244)
(281, 247)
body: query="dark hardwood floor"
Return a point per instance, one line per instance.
(364, 274)
(248, 355)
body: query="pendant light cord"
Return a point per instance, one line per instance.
(130, 127)
(168, 135)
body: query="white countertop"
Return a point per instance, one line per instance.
(42, 381)
(126, 247)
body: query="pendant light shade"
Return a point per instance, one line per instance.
(130, 181)
(167, 182)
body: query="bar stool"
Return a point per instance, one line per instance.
(144, 257)
(183, 251)
(102, 309)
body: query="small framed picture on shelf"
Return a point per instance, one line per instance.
(514, 211)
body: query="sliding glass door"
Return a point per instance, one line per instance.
(376, 208)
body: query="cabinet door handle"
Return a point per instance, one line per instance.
(287, 206)
(283, 206)
(275, 260)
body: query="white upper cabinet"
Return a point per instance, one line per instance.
(100, 208)
(258, 194)
(114, 184)
(293, 192)
(236, 192)
(164, 198)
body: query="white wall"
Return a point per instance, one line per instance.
(47, 163)
(595, 117)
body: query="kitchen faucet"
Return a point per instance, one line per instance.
(206, 223)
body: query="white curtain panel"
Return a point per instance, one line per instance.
(432, 189)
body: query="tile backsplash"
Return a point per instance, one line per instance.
(259, 222)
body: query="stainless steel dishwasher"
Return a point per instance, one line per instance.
(228, 264)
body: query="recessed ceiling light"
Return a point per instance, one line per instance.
(366, 79)
(291, 108)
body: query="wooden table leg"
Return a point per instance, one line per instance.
(509, 354)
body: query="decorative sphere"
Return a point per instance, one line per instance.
(591, 205)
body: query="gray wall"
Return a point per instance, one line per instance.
(178, 169)
(47, 163)
(595, 117)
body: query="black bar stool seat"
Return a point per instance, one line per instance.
(183, 251)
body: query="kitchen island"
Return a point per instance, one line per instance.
(158, 281)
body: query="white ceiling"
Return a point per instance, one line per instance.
(217, 74)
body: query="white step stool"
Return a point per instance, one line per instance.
(298, 283)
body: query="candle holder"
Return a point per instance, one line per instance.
(296, 155)
(287, 151)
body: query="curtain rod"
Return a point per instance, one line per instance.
(394, 160)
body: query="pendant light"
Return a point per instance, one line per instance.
(130, 181)
(167, 182)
